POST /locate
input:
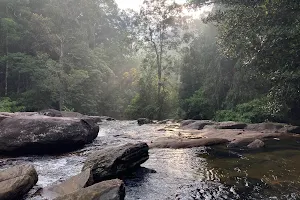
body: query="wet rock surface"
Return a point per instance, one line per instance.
(106, 190)
(16, 181)
(41, 134)
(112, 162)
(69, 186)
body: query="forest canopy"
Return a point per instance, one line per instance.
(239, 61)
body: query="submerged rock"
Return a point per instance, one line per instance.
(15, 182)
(256, 144)
(41, 134)
(69, 186)
(241, 142)
(112, 162)
(106, 190)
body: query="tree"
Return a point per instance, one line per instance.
(262, 36)
(159, 22)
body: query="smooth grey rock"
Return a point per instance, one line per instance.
(106, 190)
(15, 182)
(112, 162)
(42, 134)
(69, 186)
(231, 125)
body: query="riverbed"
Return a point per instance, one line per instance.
(194, 173)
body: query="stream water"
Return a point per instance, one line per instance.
(196, 173)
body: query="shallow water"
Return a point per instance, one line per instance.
(196, 173)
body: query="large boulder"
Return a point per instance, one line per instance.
(112, 162)
(41, 134)
(15, 182)
(106, 190)
(82, 180)
(51, 113)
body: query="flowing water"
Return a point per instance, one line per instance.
(196, 173)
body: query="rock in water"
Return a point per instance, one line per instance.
(142, 121)
(41, 134)
(256, 144)
(112, 162)
(231, 125)
(198, 125)
(106, 190)
(15, 182)
(186, 122)
(69, 186)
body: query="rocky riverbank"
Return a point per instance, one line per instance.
(102, 167)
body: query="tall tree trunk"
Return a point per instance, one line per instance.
(6, 65)
(159, 73)
(61, 90)
(19, 80)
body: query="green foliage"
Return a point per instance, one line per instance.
(65, 54)
(7, 105)
(255, 111)
(198, 106)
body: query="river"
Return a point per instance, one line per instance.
(186, 174)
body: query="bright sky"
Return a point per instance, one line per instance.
(135, 4)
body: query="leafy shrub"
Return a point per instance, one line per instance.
(255, 111)
(198, 107)
(7, 105)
